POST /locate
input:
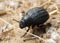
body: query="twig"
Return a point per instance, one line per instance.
(53, 12)
(45, 3)
(30, 38)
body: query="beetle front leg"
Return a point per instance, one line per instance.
(26, 32)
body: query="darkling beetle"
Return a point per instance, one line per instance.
(35, 16)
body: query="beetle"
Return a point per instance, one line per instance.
(34, 16)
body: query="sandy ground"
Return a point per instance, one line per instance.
(16, 9)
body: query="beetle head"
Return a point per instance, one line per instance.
(22, 24)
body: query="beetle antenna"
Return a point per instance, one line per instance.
(16, 20)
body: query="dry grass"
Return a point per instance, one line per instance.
(10, 31)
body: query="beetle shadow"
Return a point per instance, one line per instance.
(41, 29)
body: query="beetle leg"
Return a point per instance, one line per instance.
(26, 32)
(37, 25)
(33, 26)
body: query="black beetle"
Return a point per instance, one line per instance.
(35, 16)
